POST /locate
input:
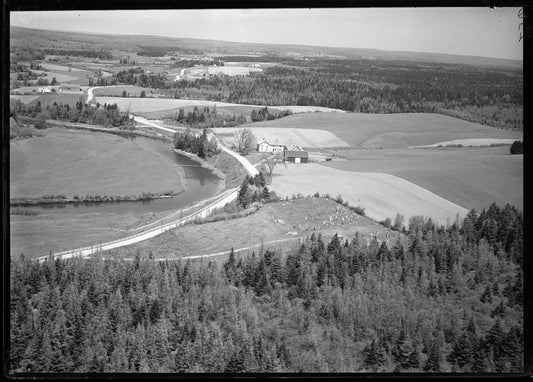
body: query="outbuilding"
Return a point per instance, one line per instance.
(296, 156)
(265, 147)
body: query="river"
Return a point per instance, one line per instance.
(201, 184)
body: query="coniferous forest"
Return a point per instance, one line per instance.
(437, 300)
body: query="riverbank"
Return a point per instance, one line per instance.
(218, 172)
(115, 131)
(88, 199)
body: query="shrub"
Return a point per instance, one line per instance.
(358, 210)
(517, 148)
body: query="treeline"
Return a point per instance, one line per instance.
(253, 189)
(206, 117)
(266, 115)
(137, 76)
(491, 96)
(160, 51)
(100, 54)
(438, 300)
(197, 144)
(104, 115)
(190, 63)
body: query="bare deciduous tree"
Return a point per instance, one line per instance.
(244, 139)
(272, 161)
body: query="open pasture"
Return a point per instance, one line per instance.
(25, 99)
(479, 142)
(232, 70)
(229, 110)
(390, 130)
(62, 68)
(469, 177)
(116, 91)
(381, 195)
(143, 105)
(301, 137)
(48, 99)
(65, 76)
(282, 222)
(75, 162)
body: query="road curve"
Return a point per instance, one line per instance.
(218, 202)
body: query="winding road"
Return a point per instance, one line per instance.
(213, 203)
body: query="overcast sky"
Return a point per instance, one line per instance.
(466, 31)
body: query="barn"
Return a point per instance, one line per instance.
(296, 156)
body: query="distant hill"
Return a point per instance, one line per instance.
(20, 37)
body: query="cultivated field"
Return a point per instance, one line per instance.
(480, 142)
(74, 162)
(390, 130)
(64, 74)
(469, 177)
(282, 222)
(161, 104)
(232, 70)
(301, 137)
(381, 195)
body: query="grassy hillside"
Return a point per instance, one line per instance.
(282, 222)
(381, 195)
(301, 137)
(90, 163)
(470, 177)
(389, 130)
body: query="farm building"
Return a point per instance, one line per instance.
(296, 156)
(46, 89)
(265, 147)
(70, 89)
(294, 147)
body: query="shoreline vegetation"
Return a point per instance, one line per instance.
(203, 163)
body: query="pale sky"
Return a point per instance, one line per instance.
(466, 31)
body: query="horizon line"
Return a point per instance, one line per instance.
(267, 43)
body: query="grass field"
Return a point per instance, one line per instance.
(479, 142)
(25, 99)
(390, 130)
(469, 177)
(39, 235)
(65, 99)
(381, 195)
(116, 91)
(63, 75)
(168, 104)
(301, 137)
(232, 70)
(74, 162)
(274, 221)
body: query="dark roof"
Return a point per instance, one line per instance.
(296, 154)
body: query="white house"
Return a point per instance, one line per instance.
(265, 147)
